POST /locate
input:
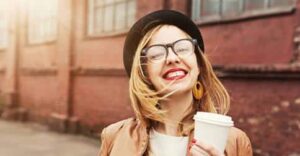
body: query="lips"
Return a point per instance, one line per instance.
(174, 74)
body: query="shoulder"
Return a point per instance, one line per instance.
(121, 128)
(237, 133)
(120, 124)
(239, 142)
(112, 129)
(131, 130)
(110, 133)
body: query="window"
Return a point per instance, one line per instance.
(3, 25)
(106, 17)
(218, 10)
(42, 21)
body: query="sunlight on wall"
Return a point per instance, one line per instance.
(47, 12)
(4, 11)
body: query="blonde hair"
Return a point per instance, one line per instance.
(144, 97)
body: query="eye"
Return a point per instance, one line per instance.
(182, 49)
(183, 46)
(155, 56)
(156, 52)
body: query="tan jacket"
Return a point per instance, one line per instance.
(130, 138)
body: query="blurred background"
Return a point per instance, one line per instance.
(61, 63)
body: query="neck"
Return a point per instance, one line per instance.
(177, 107)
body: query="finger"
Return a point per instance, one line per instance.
(196, 151)
(211, 150)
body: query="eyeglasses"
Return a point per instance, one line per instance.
(159, 52)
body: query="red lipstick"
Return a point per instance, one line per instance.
(174, 74)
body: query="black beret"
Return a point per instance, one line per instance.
(143, 25)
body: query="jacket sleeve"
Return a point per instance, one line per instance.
(104, 145)
(244, 145)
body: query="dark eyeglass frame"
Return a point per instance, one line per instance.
(171, 45)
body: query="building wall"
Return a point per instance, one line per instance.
(80, 80)
(38, 94)
(94, 52)
(37, 84)
(266, 40)
(268, 111)
(1, 80)
(101, 100)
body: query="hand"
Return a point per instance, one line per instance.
(198, 148)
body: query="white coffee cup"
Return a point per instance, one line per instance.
(212, 129)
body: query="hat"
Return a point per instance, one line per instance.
(143, 25)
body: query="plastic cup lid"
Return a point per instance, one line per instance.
(214, 118)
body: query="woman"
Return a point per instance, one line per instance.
(170, 80)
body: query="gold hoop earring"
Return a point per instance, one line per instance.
(198, 91)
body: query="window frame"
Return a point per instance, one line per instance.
(245, 14)
(90, 30)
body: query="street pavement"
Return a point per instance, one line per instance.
(28, 139)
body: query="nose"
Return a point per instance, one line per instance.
(172, 57)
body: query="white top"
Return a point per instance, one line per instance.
(165, 145)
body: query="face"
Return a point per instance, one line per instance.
(178, 72)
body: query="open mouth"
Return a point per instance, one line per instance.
(175, 74)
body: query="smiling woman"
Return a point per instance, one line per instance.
(170, 80)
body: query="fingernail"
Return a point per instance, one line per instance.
(194, 141)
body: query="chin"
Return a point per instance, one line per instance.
(178, 88)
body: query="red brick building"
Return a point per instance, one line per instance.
(61, 62)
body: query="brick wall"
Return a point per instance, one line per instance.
(78, 83)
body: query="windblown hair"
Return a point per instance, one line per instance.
(144, 98)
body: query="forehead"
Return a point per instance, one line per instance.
(167, 34)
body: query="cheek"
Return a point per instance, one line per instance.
(196, 72)
(198, 69)
(152, 71)
(194, 64)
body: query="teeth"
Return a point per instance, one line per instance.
(174, 74)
